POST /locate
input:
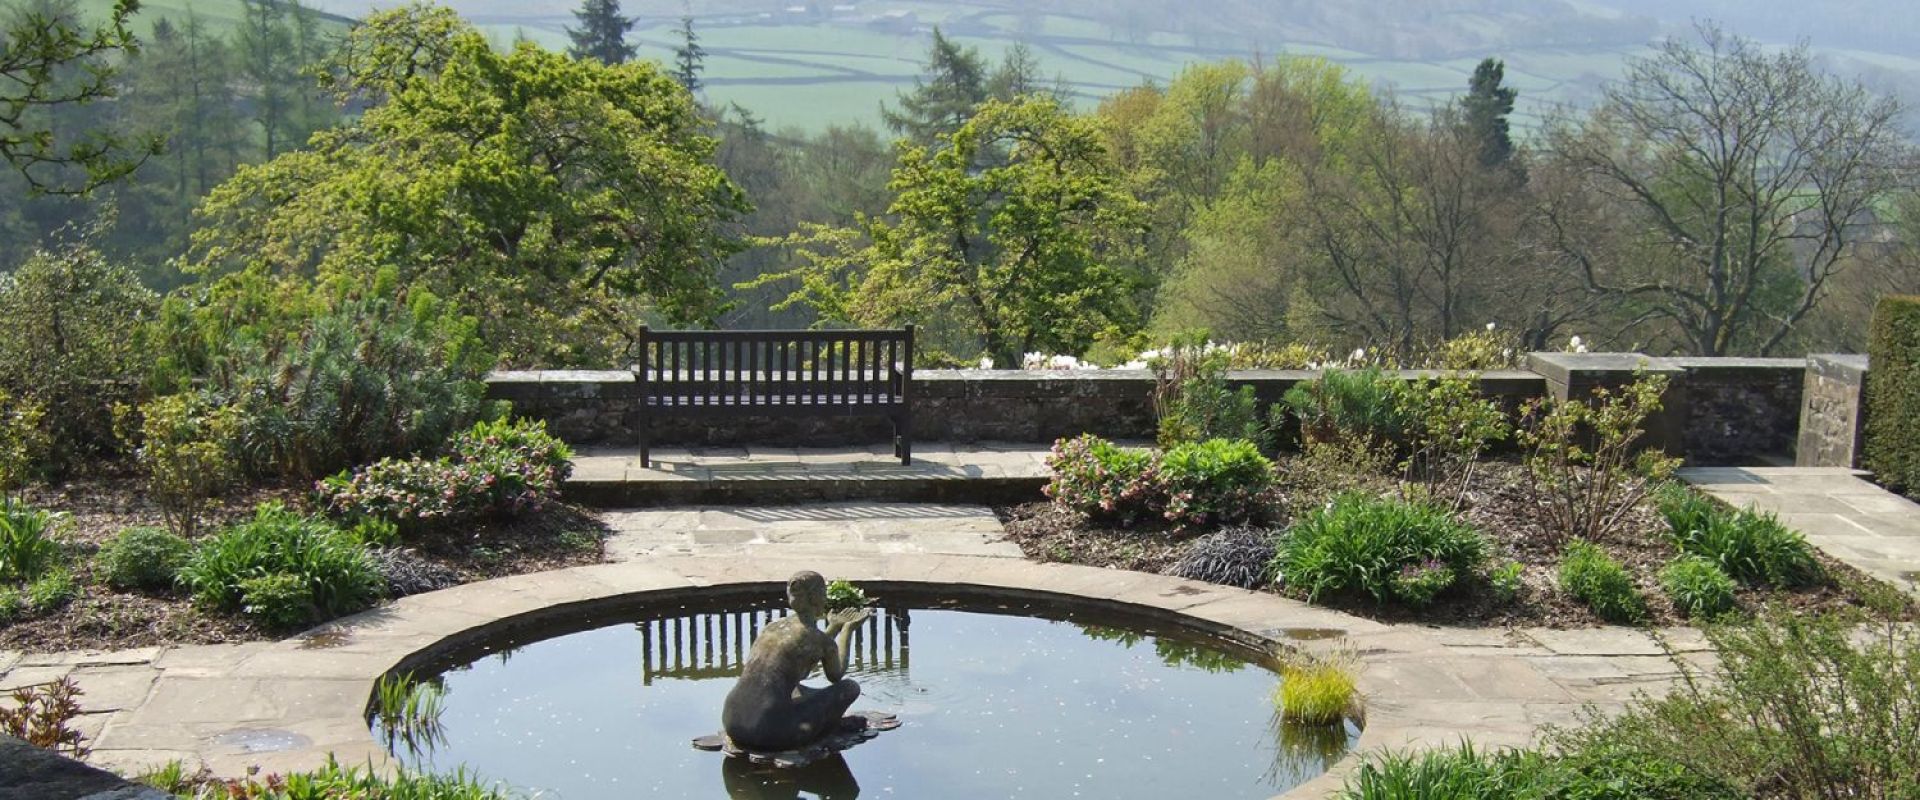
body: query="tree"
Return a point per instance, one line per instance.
(41, 51)
(1743, 178)
(689, 59)
(267, 61)
(602, 34)
(1486, 108)
(1000, 239)
(953, 83)
(557, 199)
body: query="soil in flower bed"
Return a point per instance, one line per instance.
(1500, 503)
(101, 617)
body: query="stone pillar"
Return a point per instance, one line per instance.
(1833, 416)
(1574, 376)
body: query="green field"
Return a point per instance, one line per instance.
(219, 16)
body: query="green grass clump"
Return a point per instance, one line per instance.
(27, 547)
(1594, 578)
(1317, 692)
(1698, 587)
(1755, 548)
(143, 558)
(283, 568)
(331, 782)
(1388, 549)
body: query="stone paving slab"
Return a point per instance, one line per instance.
(1845, 515)
(854, 527)
(984, 472)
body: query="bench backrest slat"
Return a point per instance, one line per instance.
(734, 369)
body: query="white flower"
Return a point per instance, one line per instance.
(1359, 355)
(986, 362)
(1489, 326)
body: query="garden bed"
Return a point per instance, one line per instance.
(99, 616)
(1499, 502)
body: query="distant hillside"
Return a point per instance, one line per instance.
(219, 16)
(810, 64)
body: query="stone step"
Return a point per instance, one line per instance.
(986, 474)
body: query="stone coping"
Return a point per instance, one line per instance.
(307, 697)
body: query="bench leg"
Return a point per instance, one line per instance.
(903, 440)
(646, 452)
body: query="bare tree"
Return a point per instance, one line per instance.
(1743, 178)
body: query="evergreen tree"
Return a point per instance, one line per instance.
(689, 59)
(267, 61)
(1487, 106)
(602, 34)
(944, 97)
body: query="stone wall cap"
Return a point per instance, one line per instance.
(560, 376)
(1843, 366)
(1560, 367)
(1737, 363)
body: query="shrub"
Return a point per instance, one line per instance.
(143, 558)
(1192, 400)
(24, 444)
(1698, 587)
(13, 604)
(404, 573)
(53, 590)
(844, 595)
(1582, 458)
(1476, 350)
(1505, 581)
(1796, 706)
(280, 600)
(1892, 439)
(1218, 481)
(186, 450)
(42, 716)
(1595, 579)
(496, 468)
(1448, 425)
(1100, 480)
(338, 574)
(325, 378)
(1238, 556)
(27, 548)
(1755, 548)
(72, 343)
(1317, 692)
(1346, 404)
(1361, 544)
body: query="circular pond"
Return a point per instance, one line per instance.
(996, 700)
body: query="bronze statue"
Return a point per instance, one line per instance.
(770, 710)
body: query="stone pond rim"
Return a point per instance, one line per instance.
(1416, 694)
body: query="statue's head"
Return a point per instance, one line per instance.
(807, 593)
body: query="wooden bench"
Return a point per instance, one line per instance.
(777, 374)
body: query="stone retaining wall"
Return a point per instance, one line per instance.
(1719, 411)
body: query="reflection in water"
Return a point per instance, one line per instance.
(1058, 708)
(826, 779)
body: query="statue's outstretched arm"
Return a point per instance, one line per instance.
(840, 626)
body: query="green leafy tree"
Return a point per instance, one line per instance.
(953, 84)
(1001, 238)
(602, 34)
(268, 63)
(51, 61)
(689, 59)
(1486, 108)
(557, 199)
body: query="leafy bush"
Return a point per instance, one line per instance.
(1345, 404)
(1218, 481)
(24, 444)
(1800, 706)
(325, 378)
(1192, 400)
(1448, 426)
(72, 342)
(338, 574)
(1582, 456)
(1755, 548)
(1505, 581)
(496, 468)
(186, 450)
(1100, 480)
(1476, 350)
(1698, 587)
(844, 595)
(143, 558)
(27, 548)
(53, 590)
(1317, 692)
(1240, 556)
(1594, 578)
(1361, 544)
(1892, 439)
(280, 600)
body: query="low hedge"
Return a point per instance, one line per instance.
(1893, 394)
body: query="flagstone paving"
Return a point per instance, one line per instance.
(1842, 513)
(280, 706)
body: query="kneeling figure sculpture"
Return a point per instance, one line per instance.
(770, 710)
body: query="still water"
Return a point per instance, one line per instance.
(993, 705)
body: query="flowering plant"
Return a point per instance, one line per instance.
(495, 468)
